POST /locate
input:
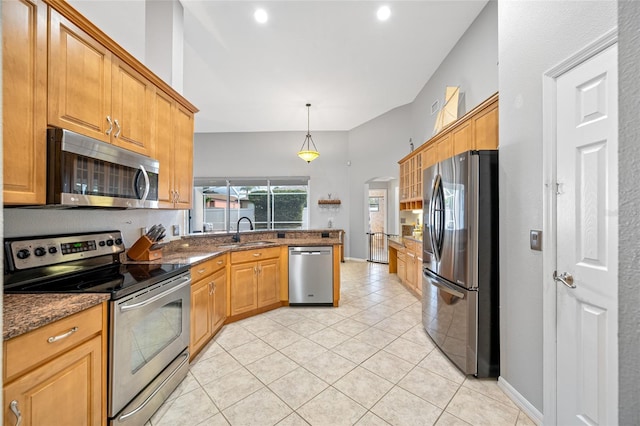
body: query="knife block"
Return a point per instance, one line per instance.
(140, 250)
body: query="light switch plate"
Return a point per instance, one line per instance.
(535, 240)
(176, 230)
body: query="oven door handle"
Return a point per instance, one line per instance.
(155, 392)
(125, 308)
(442, 285)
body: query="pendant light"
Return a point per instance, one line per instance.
(308, 154)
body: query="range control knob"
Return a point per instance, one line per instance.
(23, 254)
(101, 243)
(118, 241)
(53, 250)
(40, 251)
(109, 243)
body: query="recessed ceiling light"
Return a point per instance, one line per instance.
(383, 13)
(261, 16)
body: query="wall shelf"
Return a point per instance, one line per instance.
(329, 202)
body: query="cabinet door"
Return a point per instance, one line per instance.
(131, 106)
(486, 129)
(201, 329)
(219, 298)
(402, 271)
(444, 148)
(461, 138)
(67, 389)
(268, 282)
(79, 80)
(244, 294)
(24, 95)
(183, 158)
(410, 262)
(162, 140)
(429, 157)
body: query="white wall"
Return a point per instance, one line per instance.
(374, 149)
(533, 36)
(272, 154)
(472, 65)
(629, 175)
(122, 20)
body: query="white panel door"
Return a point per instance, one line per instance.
(587, 242)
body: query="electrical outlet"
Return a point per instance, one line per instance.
(176, 230)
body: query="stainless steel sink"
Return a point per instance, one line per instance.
(246, 244)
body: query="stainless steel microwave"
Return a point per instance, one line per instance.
(82, 171)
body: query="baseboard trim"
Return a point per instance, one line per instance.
(531, 411)
(355, 259)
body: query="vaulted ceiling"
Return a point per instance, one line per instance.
(245, 76)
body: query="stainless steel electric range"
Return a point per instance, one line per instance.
(148, 315)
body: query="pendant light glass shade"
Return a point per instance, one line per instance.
(306, 153)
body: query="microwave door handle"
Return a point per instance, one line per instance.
(147, 185)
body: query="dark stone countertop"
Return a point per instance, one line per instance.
(22, 313)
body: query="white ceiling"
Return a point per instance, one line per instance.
(245, 76)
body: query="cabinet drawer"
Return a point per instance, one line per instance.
(401, 256)
(207, 268)
(254, 255)
(28, 350)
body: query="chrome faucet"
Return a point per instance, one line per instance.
(236, 238)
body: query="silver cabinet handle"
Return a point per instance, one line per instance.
(220, 262)
(108, 132)
(16, 411)
(257, 254)
(565, 278)
(62, 336)
(119, 129)
(255, 269)
(177, 197)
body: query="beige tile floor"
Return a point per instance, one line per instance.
(368, 362)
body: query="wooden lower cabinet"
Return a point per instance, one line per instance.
(402, 266)
(254, 283)
(63, 382)
(208, 302)
(67, 389)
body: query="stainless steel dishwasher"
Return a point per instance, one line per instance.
(311, 275)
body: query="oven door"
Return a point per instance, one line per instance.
(450, 317)
(149, 329)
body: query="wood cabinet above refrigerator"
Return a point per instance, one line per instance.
(478, 129)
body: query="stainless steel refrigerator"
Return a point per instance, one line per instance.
(460, 260)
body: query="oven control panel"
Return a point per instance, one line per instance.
(32, 252)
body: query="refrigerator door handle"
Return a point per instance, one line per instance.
(432, 219)
(447, 288)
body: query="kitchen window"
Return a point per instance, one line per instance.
(270, 203)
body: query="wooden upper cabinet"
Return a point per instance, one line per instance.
(172, 133)
(486, 128)
(444, 148)
(131, 109)
(94, 93)
(461, 138)
(183, 154)
(79, 80)
(478, 129)
(162, 135)
(24, 113)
